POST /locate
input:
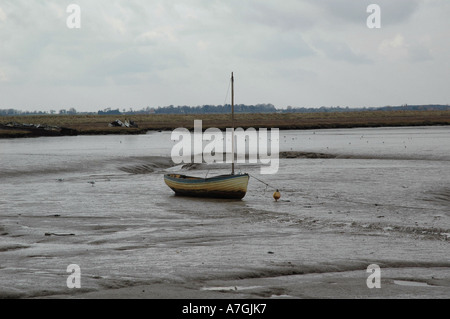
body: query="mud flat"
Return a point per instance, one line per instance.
(100, 202)
(397, 283)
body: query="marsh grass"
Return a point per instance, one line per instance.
(98, 124)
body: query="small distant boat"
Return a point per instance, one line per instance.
(231, 186)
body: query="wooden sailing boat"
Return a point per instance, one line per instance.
(223, 186)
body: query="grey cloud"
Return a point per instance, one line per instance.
(143, 62)
(275, 47)
(351, 11)
(286, 15)
(420, 54)
(340, 51)
(37, 45)
(155, 46)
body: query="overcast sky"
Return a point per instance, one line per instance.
(139, 53)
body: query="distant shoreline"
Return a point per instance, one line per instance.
(66, 125)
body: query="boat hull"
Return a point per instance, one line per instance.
(223, 186)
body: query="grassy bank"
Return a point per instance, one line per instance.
(98, 124)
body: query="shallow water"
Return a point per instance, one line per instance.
(100, 202)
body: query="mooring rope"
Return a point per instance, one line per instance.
(267, 185)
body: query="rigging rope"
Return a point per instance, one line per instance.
(228, 91)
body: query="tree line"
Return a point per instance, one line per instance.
(405, 107)
(239, 108)
(217, 109)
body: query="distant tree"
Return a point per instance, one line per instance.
(108, 111)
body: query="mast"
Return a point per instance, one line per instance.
(232, 124)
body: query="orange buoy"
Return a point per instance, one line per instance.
(276, 195)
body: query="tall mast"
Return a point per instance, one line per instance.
(232, 124)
